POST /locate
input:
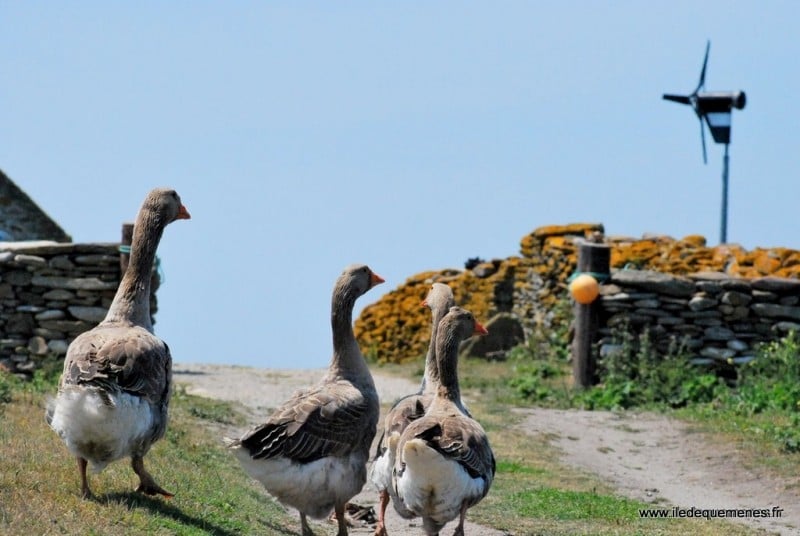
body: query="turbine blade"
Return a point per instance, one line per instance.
(702, 83)
(703, 140)
(683, 99)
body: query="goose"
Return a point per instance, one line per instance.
(113, 395)
(311, 453)
(444, 464)
(409, 408)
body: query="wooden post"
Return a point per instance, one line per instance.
(592, 259)
(127, 237)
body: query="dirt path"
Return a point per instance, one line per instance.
(261, 390)
(644, 456)
(653, 458)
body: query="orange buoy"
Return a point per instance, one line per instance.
(584, 289)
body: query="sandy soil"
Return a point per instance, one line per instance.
(644, 456)
(261, 390)
(657, 459)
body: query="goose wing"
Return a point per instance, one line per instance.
(328, 420)
(462, 440)
(120, 359)
(405, 411)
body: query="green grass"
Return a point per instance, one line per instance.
(549, 503)
(39, 484)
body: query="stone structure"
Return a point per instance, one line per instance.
(396, 329)
(22, 219)
(49, 294)
(718, 319)
(505, 332)
(525, 288)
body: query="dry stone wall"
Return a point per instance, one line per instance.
(529, 286)
(51, 293)
(717, 318)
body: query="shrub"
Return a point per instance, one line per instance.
(544, 357)
(636, 374)
(772, 379)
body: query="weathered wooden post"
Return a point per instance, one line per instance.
(124, 250)
(595, 260)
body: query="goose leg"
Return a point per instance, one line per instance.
(86, 493)
(460, 528)
(147, 485)
(304, 524)
(340, 518)
(380, 528)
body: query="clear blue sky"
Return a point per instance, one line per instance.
(408, 135)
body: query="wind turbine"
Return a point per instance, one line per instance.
(715, 107)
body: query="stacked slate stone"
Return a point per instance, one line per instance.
(51, 293)
(717, 318)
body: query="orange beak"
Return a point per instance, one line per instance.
(479, 329)
(183, 214)
(375, 279)
(424, 303)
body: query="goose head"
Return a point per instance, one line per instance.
(439, 299)
(460, 324)
(356, 280)
(165, 204)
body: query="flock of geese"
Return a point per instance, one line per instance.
(433, 459)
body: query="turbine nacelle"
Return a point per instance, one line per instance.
(713, 106)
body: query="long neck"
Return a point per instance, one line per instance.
(430, 380)
(346, 353)
(447, 358)
(132, 301)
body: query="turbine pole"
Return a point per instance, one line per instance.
(723, 238)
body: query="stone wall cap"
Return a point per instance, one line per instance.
(776, 284)
(47, 247)
(579, 229)
(710, 276)
(654, 282)
(14, 246)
